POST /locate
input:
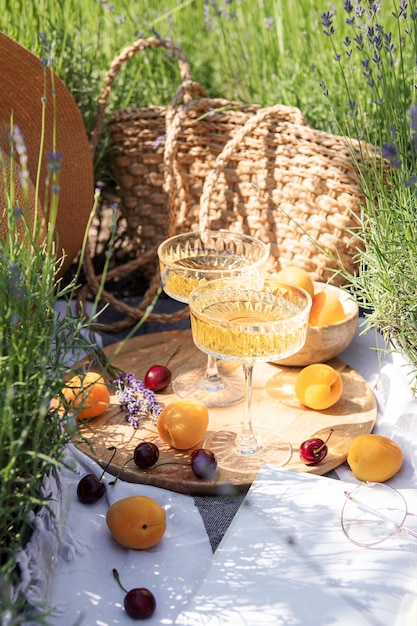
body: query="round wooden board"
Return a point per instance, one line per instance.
(274, 406)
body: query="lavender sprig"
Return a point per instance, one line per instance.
(134, 398)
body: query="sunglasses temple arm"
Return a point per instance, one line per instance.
(404, 529)
(369, 509)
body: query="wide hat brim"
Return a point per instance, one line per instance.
(22, 95)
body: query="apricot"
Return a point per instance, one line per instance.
(87, 395)
(318, 386)
(136, 522)
(326, 309)
(183, 423)
(297, 276)
(374, 458)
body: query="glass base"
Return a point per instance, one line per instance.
(224, 392)
(271, 448)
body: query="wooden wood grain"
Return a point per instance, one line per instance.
(274, 406)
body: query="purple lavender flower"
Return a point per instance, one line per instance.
(353, 111)
(134, 398)
(54, 161)
(359, 11)
(18, 143)
(323, 88)
(326, 20)
(373, 8)
(392, 154)
(388, 43)
(358, 39)
(348, 6)
(159, 141)
(403, 6)
(413, 117)
(16, 281)
(411, 182)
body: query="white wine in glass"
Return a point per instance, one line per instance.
(191, 259)
(249, 324)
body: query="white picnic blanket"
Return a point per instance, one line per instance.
(76, 574)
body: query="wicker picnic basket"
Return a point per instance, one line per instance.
(205, 162)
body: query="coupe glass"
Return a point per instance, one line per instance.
(192, 259)
(249, 324)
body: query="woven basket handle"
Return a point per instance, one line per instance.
(282, 112)
(125, 55)
(176, 115)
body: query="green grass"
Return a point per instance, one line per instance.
(259, 51)
(262, 52)
(256, 51)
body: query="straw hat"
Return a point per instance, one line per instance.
(21, 93)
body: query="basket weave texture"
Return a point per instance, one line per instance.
(203, 163)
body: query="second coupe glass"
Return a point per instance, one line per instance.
(249, 325)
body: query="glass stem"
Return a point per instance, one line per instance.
(246, 440)
(212, 372)
(212, 377)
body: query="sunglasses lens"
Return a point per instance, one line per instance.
(373, 513)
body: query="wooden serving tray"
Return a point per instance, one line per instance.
(274, 406)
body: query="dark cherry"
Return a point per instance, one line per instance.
(314, 450)
(203, 463)
(145, 454)
(91, 488)
(139, 603)
(157, 378)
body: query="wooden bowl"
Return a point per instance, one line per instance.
(326, 342)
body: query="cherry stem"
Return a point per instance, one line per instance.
(117, 577)
(320, 448)
(113, 482)
(152, 467)
(169, 463)
(108, 463)
(177, 349)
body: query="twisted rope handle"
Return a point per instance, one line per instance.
(133, 314)
(175, 116)
(125, 55)
(282, 112)
(185, 93)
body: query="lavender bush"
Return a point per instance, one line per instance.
(377, 61)
(39, 342)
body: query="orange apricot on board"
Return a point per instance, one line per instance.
(87, 395)
(326, 308)
(297, 276)
(374, 458)
(183, 423)
(318, 386)
(136, 522)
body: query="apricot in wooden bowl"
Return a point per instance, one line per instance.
(327, 340)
